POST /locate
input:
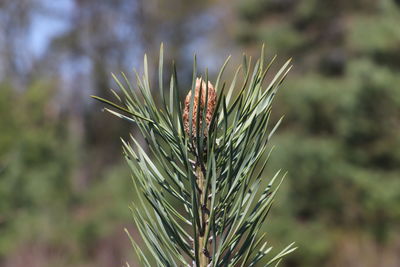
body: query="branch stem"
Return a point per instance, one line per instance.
(203, 245)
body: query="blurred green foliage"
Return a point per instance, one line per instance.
(39, 204)
(340, 137)
(64, 194)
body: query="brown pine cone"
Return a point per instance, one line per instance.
(211, 102)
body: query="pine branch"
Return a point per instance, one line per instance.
(202, 199)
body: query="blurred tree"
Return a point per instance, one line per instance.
(342, 120)
(16, 59)
(35, 165)
(343, 114)
(56, 155)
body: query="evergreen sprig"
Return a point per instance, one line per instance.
(201, 197)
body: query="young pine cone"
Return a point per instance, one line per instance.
(211, 102)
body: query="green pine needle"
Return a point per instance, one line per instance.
(203, 200)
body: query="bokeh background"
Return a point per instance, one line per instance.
(64, 188)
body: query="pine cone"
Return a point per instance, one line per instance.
(211, 102)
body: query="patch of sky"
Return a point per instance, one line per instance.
(50, 20)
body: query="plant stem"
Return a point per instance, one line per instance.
(203, 249)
